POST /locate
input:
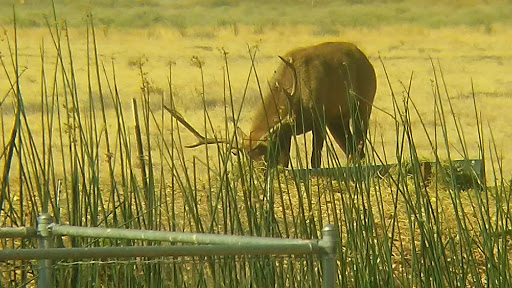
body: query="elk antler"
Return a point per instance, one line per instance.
(202, 139)
(290, 95)
(287, 121)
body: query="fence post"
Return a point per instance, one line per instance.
(44, 222)
(329, 243)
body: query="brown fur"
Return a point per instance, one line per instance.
(328, 76)
(328, 85)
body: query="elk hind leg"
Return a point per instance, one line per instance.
(340, 131)
(318, 144)
(360, 125)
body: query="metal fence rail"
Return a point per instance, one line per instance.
(206, 245)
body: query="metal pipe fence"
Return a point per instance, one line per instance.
(205, 245)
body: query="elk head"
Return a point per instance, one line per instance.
(256, 146)
(256, 149)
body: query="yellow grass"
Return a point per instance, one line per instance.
(465, 54)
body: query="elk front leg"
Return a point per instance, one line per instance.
(285, 141)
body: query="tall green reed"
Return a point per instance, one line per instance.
(94, 166)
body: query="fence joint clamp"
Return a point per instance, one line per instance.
(44, 225)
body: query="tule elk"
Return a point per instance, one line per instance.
(327, 85)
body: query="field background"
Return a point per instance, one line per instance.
(469, 40)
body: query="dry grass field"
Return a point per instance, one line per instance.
(395, 230)
(467, 56)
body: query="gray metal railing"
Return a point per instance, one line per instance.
(206, 245)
